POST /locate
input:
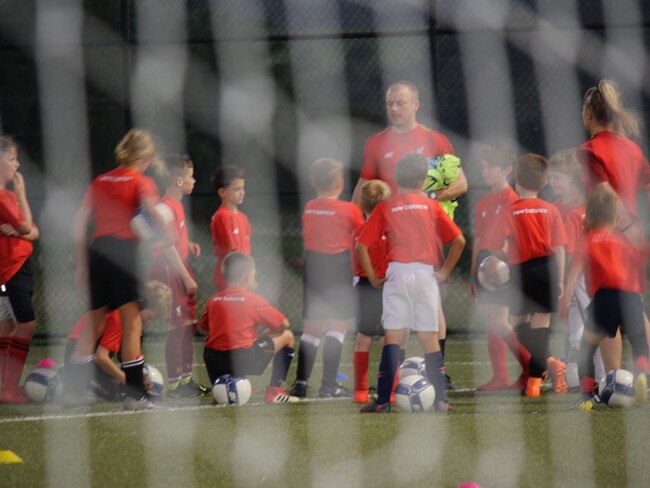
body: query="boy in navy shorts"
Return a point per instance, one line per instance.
(536, 238)
(328, 297)
(415, 227)
(233, 344)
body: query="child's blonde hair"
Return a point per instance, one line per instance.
(139, 144)
(601, 208)
(531, 171)
(604, 101)
(325, 173)
(158, 298)
(373, 192)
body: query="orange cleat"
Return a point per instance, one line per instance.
(533, 387)
(557, 370)
(360, 396)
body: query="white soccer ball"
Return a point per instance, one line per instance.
(493, 273)
(43, 385)
(616, 389)
(415, 393)
(155, 380)
(231, 390)
(143, 227)
(412, 366)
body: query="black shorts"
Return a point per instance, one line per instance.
(610, 309)
(113, 271)
(327, 287)
(489, 297)
(20, 289)
(534, 286)
(250, 361)
(369, 308)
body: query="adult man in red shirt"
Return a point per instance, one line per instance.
(405, 135)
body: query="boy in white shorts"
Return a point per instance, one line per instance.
(415, 227)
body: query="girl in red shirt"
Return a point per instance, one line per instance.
(608, 260)
(110, 264)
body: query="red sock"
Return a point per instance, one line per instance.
(173, 354)
(4, 345)
(187, 349)
(641, 364)
(360, 361)
(518, 349)
(16, 355)
(587, 385)
(497, 351)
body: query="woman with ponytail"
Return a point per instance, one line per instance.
(612, 159)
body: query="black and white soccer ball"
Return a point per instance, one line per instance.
(412, 366)
(493, 273)
(415, 393)
(155, 382)
(616, 389)
(43, 385)
(232, 390)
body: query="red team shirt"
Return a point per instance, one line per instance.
(533, 228)
(565, 208)
(182, 245)
(618, 160)
(232, 316)
(378, 255)
(575, 228)
(415, 227)
(231, 231)
(487, 212)
(111, 338)
(115, 198)
(385, 148)
(611, 262)
(14, 251)
(327, 225)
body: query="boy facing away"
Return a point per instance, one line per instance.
(535, 237)
(328, 297)
(233, 344)
(231, 230)
(414, 226)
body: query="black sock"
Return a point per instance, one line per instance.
(281, 363)
(306, 357)
(442, 347)
(387, 369)
(586, 367)
(402, 355)
(331, 360)
(538, 351)
(134, 377)
(435, 369)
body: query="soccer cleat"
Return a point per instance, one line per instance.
(334, 391)
(495, 384)
(276, 394)
(360, 396)
(174, 391)
(442, 406)
(557, 371)
(14, 396)
(108, 392)
(640, 388)
(374, 407)
(138, 404)
(192, 389)
(299, 389)
(533, 387)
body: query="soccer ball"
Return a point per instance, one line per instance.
(412, 366)
(493, 273)
(142, 226)
(616, 389)
(231, 390)
(43, 385)
(156, 381)
(415, 393)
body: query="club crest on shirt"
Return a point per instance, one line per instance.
(235, 231)
(388, 155)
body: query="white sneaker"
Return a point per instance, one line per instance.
(137, 404)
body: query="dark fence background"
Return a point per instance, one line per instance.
(327, 65)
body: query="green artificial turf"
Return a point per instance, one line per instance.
(497, 440)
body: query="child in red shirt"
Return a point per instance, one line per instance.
(369, 304)
(415, 227)
(535, 238)
(497, 161)
(328, 297)
(233, 344)
(609, 262)
(231, 230)
(179, 346)
(17, 232)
